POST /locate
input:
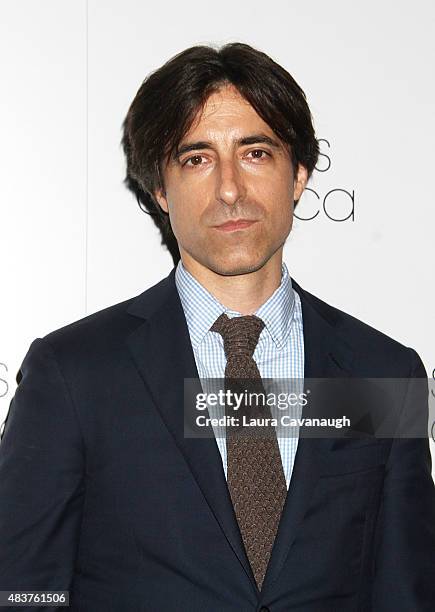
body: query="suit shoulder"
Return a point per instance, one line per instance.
(91, 325)
(364, 339)
(111, 321)
(99, 332)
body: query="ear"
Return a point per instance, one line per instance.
(300, 181)
(161, 200)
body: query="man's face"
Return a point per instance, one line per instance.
(230, 166)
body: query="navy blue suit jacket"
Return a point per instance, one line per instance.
(101, 493)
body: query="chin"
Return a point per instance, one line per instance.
(234, 266)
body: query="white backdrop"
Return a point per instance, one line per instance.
(72, 239)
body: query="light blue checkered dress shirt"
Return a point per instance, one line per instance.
(279, 352)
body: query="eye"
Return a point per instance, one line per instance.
(195, 159)
(259, 153)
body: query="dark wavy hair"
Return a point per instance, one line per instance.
(168, 100)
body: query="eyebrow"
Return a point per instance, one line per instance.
(245, 140)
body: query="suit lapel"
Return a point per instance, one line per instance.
(163, 354)
(326, 356)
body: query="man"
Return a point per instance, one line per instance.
(102, 493)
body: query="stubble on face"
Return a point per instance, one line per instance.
(228, 180)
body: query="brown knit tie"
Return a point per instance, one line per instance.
(255, 475)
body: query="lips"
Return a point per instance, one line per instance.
(238, 224)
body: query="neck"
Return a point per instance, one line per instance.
(245, 292)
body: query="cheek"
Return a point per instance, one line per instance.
(185, 210)
(279, 203)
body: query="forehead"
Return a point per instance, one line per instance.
(227, 109)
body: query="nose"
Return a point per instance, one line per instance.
(230, 187)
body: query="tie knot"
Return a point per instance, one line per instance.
(240, 334)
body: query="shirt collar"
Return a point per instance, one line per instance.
(201, 308)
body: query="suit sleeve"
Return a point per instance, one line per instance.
(404, 564)
(42, 465)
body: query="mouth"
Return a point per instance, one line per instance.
(238, 224)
